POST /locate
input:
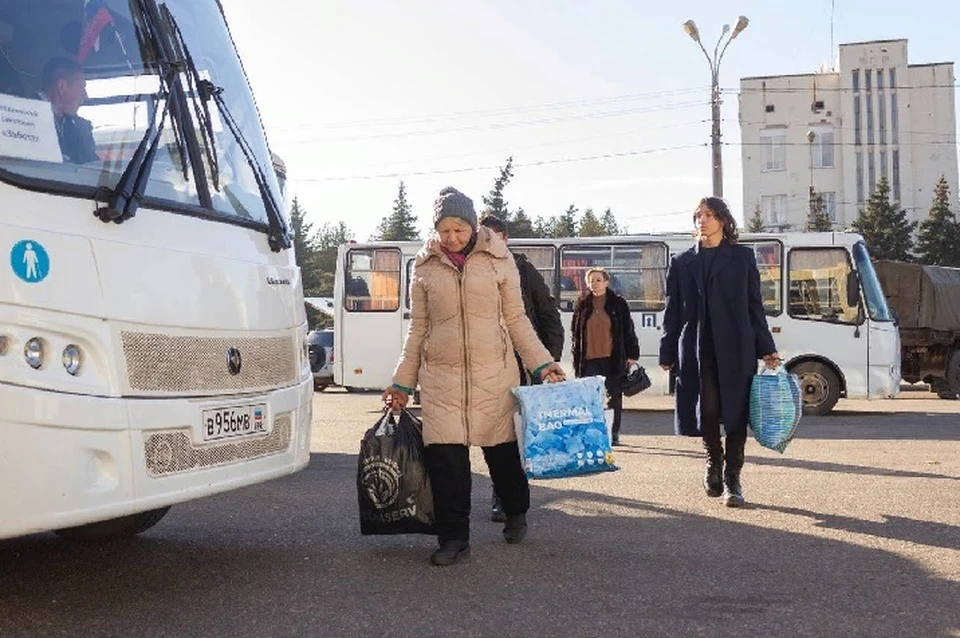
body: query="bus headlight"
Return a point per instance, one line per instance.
(71, 359)
(33, 353)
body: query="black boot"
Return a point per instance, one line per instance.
(713, 477)
(451, 553)
(732, 490)
(496, 510)
(516, 528)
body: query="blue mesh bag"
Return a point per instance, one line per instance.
(775, 408)
(562, 430)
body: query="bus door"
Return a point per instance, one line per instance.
(821, 322)
(544, 259)
(407, 277)
(372, 325)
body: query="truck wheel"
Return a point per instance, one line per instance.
(951, 383)
(416, 397)
(116, 528)
(819, 387)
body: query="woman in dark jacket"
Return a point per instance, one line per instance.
(714, 331)
(604, 339)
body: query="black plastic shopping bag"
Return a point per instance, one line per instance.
(393, 489)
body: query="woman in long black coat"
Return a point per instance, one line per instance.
(714, 331)
(613, 347)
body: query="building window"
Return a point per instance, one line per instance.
(856, 80)
(896, 175)
(893, 78)
(857, 136)
(871, 171)
(859, 177)
(869, 119)
(883, 165)
(894, 119)
(830, 205)
(774, 209)
(866, 80)
(822, 147)
(773, 149)
(881, 118)
(879, 79)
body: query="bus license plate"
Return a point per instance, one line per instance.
(233, 422)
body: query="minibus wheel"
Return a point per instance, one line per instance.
(115, 528)
(819, 387)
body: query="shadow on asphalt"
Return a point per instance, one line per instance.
(286, 559)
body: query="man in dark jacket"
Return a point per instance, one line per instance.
(542, 311)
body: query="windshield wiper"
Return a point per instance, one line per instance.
(278, 235)
(124, 199)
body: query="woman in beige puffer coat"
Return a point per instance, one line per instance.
(466, 319)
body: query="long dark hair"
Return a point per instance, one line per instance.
(722, 212)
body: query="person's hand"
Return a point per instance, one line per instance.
(395, 399)
(772, 360)
(552, 373)
(666, 367)
(631, 363)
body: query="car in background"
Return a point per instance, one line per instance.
(320, 349)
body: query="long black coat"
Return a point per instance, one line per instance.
(625, 343)
(740, 333)
(540, 306)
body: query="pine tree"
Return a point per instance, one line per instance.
(521, 226)
(545, 227)
(938, 237)
(886, 232)
(304, 248)
(755, 224)
(494, 204)
(324, 262)
(566, 224)
(590, 226)
(817, 220)
(609, 222)
(401, 224)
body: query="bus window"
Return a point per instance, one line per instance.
(817, 285)
(372, 280)
(637, 272)
(409, 280)
(769, 261)
(543, 259)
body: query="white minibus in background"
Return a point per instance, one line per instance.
(824, 305)
(152, 323)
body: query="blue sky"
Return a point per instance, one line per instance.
(601, 104)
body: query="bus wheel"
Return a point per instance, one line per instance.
(819, 387)
(416, 397)
(116, 528)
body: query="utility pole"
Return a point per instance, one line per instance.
(717, 151)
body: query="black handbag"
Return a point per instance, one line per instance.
(635, 381)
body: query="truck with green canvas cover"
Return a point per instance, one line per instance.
(926, 300)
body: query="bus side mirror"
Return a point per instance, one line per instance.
(853, 289)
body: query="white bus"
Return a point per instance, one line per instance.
(152, 322)
(824, 305)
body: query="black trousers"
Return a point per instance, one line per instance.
(711, 407)
(449, 469)
(612, 380)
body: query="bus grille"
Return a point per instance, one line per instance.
(164, 363)
(172, 452)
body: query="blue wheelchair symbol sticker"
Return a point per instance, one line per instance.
(30, 261)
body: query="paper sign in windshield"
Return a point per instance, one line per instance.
(27, 130)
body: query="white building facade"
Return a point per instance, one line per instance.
(875, 116)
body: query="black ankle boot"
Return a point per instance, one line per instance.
(713, 477)
(451, 553)
(516, 528)
(496, 510)
(732, 491)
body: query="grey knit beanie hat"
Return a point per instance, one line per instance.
(453, 203)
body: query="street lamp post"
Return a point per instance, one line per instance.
(691, 29)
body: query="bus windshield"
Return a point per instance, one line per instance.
(877, 306)
(83, 82)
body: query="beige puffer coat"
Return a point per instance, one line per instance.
(460, 343)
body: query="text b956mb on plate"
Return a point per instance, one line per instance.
(235, 421)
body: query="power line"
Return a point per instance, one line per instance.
(429, 118)
(500, 125)
(562, 160)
